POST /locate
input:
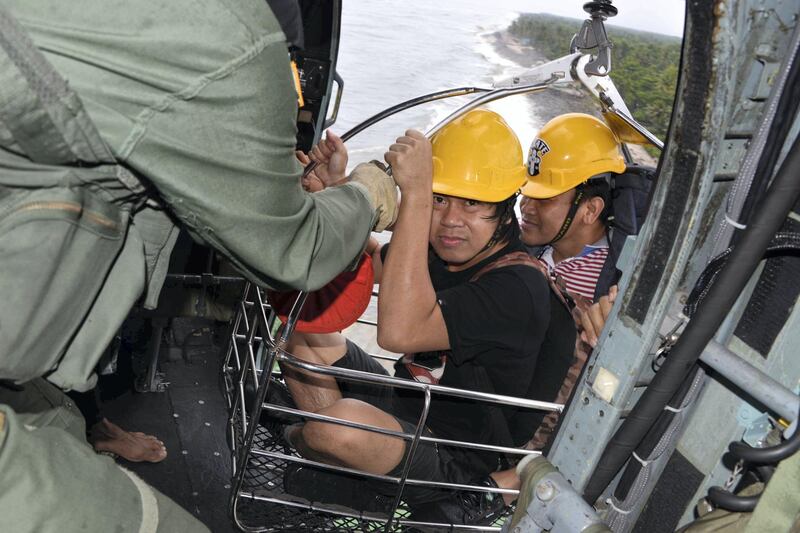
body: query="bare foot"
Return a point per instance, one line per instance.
(132, 446)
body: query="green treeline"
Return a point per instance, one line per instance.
(644, 66)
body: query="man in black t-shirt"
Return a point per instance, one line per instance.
(458, 296)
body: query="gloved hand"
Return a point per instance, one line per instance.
(382, 191)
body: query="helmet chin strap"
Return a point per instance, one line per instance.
(576, 203)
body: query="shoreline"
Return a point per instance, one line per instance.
(557, 101)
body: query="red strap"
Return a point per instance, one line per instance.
(574, 303)
(422, 373)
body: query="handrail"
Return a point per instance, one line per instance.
(487, 97)
(383, 357)
(399, 434)
(412, 449)
(368, 377)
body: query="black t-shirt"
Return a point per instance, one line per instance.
(496, 326)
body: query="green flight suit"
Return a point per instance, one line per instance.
(51, 480)
(172, 112)
(196, 96)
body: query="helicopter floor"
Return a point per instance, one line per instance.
(190, 417)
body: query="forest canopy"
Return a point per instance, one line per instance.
(644, 66)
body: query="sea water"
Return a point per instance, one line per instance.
(395, 50)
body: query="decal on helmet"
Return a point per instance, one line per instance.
(538, 149)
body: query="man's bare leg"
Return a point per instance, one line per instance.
(312, 392)
(333, 443)
(105, 436)
(507, 479)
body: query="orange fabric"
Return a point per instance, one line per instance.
(335, 306)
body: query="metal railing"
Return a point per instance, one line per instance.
(261, 457)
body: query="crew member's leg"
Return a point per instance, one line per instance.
(134, 446)
(105, 436)
(333, 443)
(52, 481)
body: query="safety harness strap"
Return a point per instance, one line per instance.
(523, 258)
(43, 114)
(581, 354)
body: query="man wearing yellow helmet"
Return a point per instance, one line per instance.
(459, 297)
(566, 200)
(565, 209)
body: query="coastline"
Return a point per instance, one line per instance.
(555, 102)
(559, 100)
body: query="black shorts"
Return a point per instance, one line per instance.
(430, 462)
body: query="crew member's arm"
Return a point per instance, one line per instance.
(223, 161)
(409, 318)
(213, 131)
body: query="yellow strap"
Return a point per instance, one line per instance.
(297, 87)
(2, 421)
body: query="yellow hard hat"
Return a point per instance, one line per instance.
(478, 157)
(569, 150)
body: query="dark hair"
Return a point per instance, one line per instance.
(598, 187)
(507, 226)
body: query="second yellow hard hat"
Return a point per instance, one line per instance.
(569, 150)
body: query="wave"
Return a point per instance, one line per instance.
(519, 111)
(473, 57)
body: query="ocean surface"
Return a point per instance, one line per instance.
(395, 50)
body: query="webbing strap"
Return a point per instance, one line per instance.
(523, 258)
(544, 430)
(547, 427)
(43, 114)
(576, 203)
(30, 85)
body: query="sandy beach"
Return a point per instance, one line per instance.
(554, 102)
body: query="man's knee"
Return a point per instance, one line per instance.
(329, 437)
(318, 348)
